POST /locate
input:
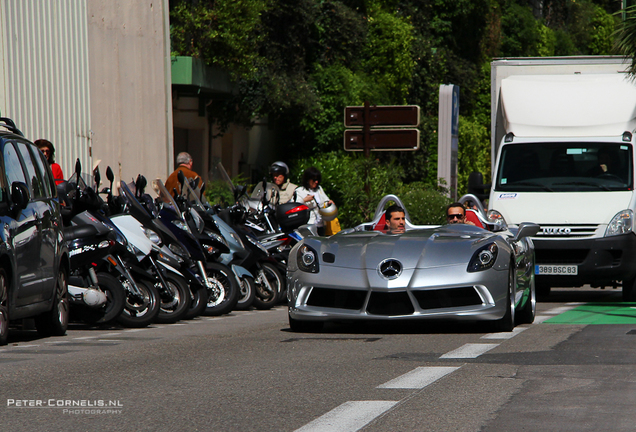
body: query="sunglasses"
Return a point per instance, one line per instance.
(455, 216)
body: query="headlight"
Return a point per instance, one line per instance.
(152, 236)
(215, 236)
(307, 259)
(622, 223)
(236, 238)
(180, 224)
(484, 258)
(178, 250)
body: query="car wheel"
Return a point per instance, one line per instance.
(4, 307)
(507, 323)
(55, 321)
(305, 326)
(527, 313)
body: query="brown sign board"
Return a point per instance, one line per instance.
(383, 115)
(383, 140)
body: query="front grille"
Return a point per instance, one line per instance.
(567, 231)
(391, 304)
(447, 298)
(556, 256)
(336, 298)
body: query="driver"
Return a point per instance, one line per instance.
(395, 217)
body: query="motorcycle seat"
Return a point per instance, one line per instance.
(79, 231)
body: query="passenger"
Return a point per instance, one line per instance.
(606, 163)
(395, 217)
(456, 214)
(313, 196)
(47, 148)
(184, 164)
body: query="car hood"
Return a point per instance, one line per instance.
(423, 248)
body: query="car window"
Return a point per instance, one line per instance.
(43, 173)
(34, 182)
(12, 165)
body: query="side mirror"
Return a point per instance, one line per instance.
(98, 178)
(181, 177)
(527, 229)
(19, 195)
(78, 168)
(109, 174)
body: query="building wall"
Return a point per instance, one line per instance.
(131, 107)
(44, 82)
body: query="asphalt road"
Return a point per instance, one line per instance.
(248, 372)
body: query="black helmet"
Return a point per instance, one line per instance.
(278, 168)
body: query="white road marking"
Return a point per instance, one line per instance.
(504, 335)
(559, 310)
(540, 318)
(110, 334)
(348, 417)
(469, 351)
(26, 346)
(575, 303)
(84, 337)
(418, 378)
(108, 340)
(135, 330)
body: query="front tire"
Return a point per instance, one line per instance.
(269, 285)
(198, 303)
(175, 302)
(507, 323)
(140, 312)
(55, 321)
(527, 313)
(247, 293)
(223, 296)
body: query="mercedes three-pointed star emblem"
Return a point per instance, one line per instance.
(390, 269)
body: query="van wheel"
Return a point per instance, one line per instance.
(55, 321)
(4, 309)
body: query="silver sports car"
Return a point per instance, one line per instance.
(458, 272)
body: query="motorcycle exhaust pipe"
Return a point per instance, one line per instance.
(89, 296)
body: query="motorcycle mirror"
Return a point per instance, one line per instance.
(78, 167)
(140, 185)
(181, 177)
(109, 174)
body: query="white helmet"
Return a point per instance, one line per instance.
(329, 212)
(279, 167)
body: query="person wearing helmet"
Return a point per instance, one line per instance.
(280, 174)
(312, 195)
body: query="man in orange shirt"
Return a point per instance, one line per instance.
(184, 164)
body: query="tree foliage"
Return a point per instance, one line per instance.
(300, 62)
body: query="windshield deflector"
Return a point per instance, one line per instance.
(565, 167)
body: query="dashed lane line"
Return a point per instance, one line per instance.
(418, 378)
(348, 417)
(469, 351)
(504, 335)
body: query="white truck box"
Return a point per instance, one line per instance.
(563, 157)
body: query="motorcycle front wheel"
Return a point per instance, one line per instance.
(140, 311)
(224, 291)
(198, 302)
(115, 299)
(247, 293)
(269, 285)
(174, 299)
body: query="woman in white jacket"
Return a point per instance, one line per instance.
(313, 196)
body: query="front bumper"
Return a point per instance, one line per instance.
(447, 292)
(600, 261)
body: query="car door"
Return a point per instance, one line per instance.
(24, 233)
(44, 204)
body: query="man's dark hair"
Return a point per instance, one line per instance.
(456, 204)
(311, 173)
(393, 209)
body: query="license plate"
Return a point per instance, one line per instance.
(556, 270)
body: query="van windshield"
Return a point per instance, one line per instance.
(565, 167)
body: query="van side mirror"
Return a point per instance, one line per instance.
(527, 229)
(19, 196)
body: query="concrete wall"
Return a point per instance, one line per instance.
(131, 107)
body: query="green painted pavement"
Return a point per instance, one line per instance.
(598, 313)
